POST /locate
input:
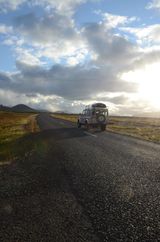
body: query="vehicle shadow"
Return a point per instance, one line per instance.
(28, 153)
(34, 189)
(58, 134)
(39, 140)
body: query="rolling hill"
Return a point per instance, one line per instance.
(17, 108)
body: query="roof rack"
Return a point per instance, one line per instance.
(96, 105)
(99, 105)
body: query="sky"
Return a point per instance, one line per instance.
(61, 55)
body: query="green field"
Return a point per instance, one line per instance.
(144, 128)
(14, 126)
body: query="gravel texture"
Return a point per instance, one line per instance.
(77, 187)
(36, 201)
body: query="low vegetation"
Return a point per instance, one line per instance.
(65, 116)
(14, 126)
(144, 128)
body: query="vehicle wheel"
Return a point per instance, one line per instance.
(78, 124)
(101, 119)
(103, 127)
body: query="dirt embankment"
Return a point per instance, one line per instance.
(14, 126)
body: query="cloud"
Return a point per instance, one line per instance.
(112, 21)
(123, 105)
(65, 7)
(55, 36)
(154, 4)
(110, 48)
(97, 48)
(52, 36)
(118, 99)
(61, 66)
(4, 29)
(10, 4)
(5, 80)
(38, 101)
(72, 83)
(27, 57)
(147, 57)
(47, 29)
(7, 95)
(149, 34)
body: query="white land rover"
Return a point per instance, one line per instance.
(95, 115)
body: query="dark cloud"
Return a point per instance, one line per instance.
(31, 95)
(145, 58)
(111, 49)
(4, 78)
(45, 29)
(120, 99)
(75, 83)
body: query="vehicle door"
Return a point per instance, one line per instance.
(82, 117)
(88, 116)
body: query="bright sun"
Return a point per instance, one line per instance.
(148, 80)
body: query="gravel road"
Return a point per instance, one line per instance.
(81, 186)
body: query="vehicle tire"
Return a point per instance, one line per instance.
(78, 124)
(101, 118)
(103, 127)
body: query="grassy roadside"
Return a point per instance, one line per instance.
(69, 117)
(144, 128)
(14, 126)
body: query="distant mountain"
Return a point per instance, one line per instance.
(22, 108)
(17, 108)
(4, 108)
